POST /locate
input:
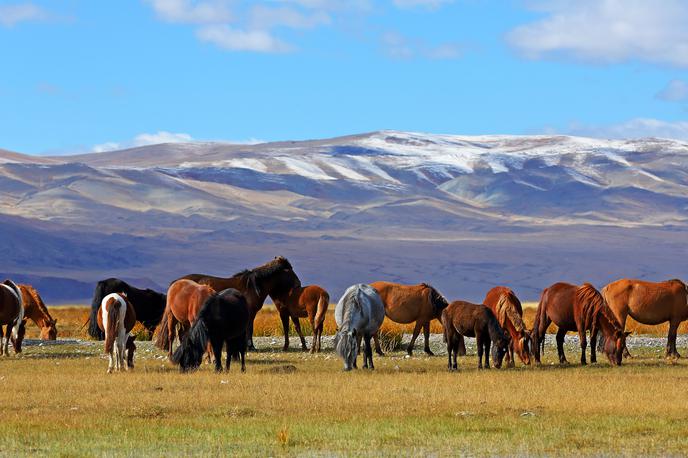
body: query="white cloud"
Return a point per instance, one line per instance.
(675, 91)
(607, 31)
(264, 18)
(634, 128)
(188, 12)
(430, 4)
(232, 39)
(398, 46)
(144, 140)
(15, 13)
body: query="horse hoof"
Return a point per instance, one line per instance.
(429, 352)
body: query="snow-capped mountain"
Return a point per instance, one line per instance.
(462, 212)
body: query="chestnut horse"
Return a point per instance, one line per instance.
(116, 318)
(650, 303)
(507, 308)
(408, 303)
(581, 309)
(306, 302)
(274, 278)
(11, 314)
(36, 311)
(462, 318)
(184, 299)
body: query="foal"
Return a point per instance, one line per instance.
(304, 302)
(116, 317)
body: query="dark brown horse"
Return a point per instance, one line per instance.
(116, 318)
(408, 303)
(36, 311)
(650, 303)
(11, 315)
(306, 302)
(507, 308)
(274, 278)
(463, 319)
(184, 300)
(581, 309)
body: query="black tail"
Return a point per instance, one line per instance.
(93, 329)
(189, 354)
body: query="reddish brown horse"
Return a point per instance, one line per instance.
(650, 303)
(184, 300)
(507, 308)
(581, 309)
(36, 311)
(408, 303)
(274, 278)
(11, 315)
(116, 318)
(306, 302)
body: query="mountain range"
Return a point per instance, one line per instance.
(461, 212)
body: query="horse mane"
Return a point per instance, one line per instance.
(40, 305)
(438, 301)
(595, 305)
(509, 307)
(493, 327)
(253, 276)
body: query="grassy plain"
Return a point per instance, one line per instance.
(59, 401)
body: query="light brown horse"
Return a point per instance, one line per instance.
(507, 308)
(305, 302)
(650, 303)
(36, 311)
(184, 300)
(11, 314)
(273, 278)
(116, 318)
(581, 309)
(408, 303)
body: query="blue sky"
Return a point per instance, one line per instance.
(83, 75)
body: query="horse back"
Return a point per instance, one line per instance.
(557, 303)
(9, 305)
(405, 303)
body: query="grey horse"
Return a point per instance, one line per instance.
(359, 314)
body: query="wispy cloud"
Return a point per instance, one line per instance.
(606, 31)
(675, 91)
(160, 137)
(634, 128)
(429, 4)
(15, 13)
(398, 46)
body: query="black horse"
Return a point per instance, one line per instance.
(148, 304)
(223, 319)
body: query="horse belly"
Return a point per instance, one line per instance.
(652, 309)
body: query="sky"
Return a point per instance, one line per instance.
(82, 75)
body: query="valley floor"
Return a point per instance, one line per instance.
(58, 400)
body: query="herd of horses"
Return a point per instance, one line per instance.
(210, 314)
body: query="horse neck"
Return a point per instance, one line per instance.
(495, 330)
(608, 325)
(37, 314)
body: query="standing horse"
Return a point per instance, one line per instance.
(147, 303)
(116, 318)
(463, 319)
(184, 300)
(35, 309)
(274, 278)
(11, 314)
(650, 303)
(581, 309)
(408, 303)
(507, 308)
(359, 314)
(306, 302)
(222, 321)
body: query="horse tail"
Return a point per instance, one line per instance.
(20, 301)
(540, 340)
(161, 335)
(323, 302)
(98, 295)
(189, 354)
(112, 325)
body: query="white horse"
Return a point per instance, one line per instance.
(11, 313)
(113, 309)
(359, 314)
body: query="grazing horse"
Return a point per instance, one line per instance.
(184, 300)
(222, 321)
(464, 319)
(408, 303)
(581, 309)
(147, 303)
(507, 308)
(650, 303)
(274, 278)
(359, 314)
(116, 318)
(36, 311)
(11, 314)
(305, 302)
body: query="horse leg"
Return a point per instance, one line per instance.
(481, 348)
(561, 333)
(314, 343)
(217, 350)
(461, 346)
(510, 357)
(5, 343)
(416, 331)
(378, 349)
(487, 344)
(426, 337)
(2, 341)
(450, 348)
(131, 348)
(368, 357)
(249, 336)
(297, 326)
(284, 316)
(171, 331)
(593, 345)
(540, 334)
(583, 344)
(671, 339)
(228, 347)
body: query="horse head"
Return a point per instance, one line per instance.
(49, 330)
(523, 346)
(498, 350)
(345, 344)
(613, 347)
